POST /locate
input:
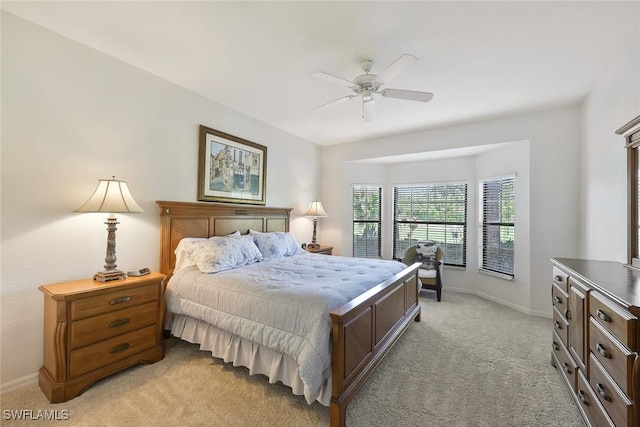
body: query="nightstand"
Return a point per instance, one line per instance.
(94, 329)
(326, 250)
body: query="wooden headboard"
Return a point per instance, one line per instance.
(193, 219)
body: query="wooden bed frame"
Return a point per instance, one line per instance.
(364, 329)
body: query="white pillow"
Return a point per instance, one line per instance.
(183, 252)
(223, 253)
(276, 244)
(184, 249)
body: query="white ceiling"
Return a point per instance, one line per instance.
(480, 59)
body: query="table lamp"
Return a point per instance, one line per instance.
(110, 196)
(315, 210)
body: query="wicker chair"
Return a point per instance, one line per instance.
(430, 274)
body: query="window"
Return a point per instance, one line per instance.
(497, 214)
(435, 212)
(367, 221)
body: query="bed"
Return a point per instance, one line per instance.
(361, 329)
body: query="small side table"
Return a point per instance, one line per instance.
(94, 329)
(326, 250)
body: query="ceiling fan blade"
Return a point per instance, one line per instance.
(332, 79)
(411, 95)
(335, 101)
(396, 68)
(368, 110)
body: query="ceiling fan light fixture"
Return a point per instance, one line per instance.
(368, 110)
(366, 85)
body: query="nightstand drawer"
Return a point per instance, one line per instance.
(95, 356)
(100, 304)
(620, 323)
(98, 328)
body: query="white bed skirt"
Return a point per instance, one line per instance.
(241, 352)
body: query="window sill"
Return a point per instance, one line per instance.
(495, 274)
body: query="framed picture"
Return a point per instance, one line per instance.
(231, 169)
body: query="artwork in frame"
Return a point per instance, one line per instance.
(231, 169)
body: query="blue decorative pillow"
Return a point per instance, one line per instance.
(224, 253)
(276, 244)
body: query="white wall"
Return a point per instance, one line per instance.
(71, 116)
(553, 137)
(603, 181)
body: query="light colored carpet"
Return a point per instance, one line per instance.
(470, 362)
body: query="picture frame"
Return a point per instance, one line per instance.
(231, 169)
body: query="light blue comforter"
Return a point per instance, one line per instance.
(283, 304)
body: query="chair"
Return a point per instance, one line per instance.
(430, 274)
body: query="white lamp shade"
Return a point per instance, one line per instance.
(316, 209)
(111, 196)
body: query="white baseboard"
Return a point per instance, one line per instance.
(502, 302)
(19, 383)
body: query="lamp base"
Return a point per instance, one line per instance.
(313, 245)
(109, 275)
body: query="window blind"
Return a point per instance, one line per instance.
(367, 221)
(498, 226)
(435, 212)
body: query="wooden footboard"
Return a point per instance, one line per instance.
(364, 330)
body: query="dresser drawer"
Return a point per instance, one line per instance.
(614, 401)
(97, 328)
(89, 358)
(560, 279)
(620, 323)
(590, 405)
(560, 299)
(560, 325)
(100, 304)
(565, 362)
(616, 358)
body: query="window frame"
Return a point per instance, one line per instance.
(355, 221)
(493, 268)
(446, 224)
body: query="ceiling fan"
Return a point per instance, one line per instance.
(367, 85)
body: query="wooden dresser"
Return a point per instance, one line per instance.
(596, 305)
(93, 329)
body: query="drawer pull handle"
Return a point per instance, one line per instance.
(557, 300)
(567, 314)
(603, 392)
(583, 398)
(557, 278)
(120, 300)
(604, 316)
(119, 348)
(118, 323)
(558, 325)
(567, 369)
(603, 351)
(556, 347)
